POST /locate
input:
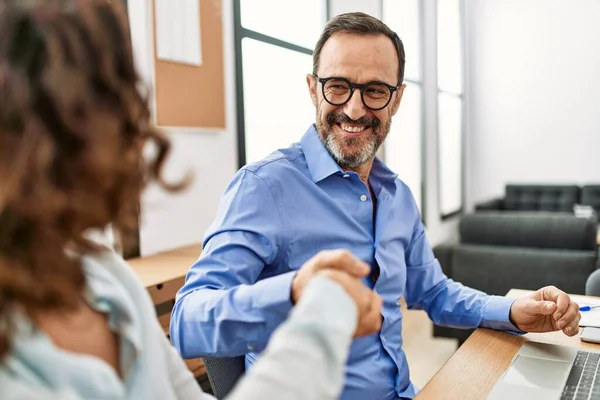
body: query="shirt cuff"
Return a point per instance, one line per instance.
(496, 315)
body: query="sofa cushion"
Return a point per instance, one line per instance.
(541, 197)
(496, 270)
(529, 229)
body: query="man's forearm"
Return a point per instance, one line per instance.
(453, 304)
(230, 322)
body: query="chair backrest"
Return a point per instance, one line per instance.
(592, 285)
(224, 373)
(541, 197)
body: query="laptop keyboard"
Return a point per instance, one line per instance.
(583, 382)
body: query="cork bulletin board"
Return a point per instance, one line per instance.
(190, 96)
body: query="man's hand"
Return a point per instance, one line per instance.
(548, 309)
(341, 260)
(368, 303)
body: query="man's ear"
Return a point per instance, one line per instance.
(398, 99)
(312, 88)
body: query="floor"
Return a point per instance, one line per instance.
(425, 354)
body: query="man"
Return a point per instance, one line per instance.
(330, 191)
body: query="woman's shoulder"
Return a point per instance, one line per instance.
(106, 270)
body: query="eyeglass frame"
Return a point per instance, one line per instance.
(353, 87)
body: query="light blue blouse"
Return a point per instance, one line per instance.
(305, 359)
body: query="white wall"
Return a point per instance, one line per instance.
(169, 221)
(371, 7)
(534, 97)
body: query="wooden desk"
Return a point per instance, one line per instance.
(161, 269)
(163, 275)
(474, 369)
(192, 250)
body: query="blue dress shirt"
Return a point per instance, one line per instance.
(279, 212)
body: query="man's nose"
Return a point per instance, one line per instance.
(355, 107)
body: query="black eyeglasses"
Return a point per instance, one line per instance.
(338, 91)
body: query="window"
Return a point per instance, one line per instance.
(268, 17)
(450, 152)
(404, 147)
(273, 56)
(450, 107)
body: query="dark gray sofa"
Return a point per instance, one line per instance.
(534, 198)
(559, 198)
(498, 251)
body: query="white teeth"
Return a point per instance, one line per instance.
(353, 128)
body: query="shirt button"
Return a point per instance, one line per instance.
(251, 348)
(363, 197)
(346, 176)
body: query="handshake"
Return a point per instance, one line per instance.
(345, 269)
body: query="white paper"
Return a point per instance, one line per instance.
(592, 317)
(178, 31)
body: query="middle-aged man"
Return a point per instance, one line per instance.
(330, 191)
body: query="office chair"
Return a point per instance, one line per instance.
(592, 286)
(224, 373)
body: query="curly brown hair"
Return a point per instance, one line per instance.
(73, 125)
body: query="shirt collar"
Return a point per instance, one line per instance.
(321, 165)
(319, 161)
(381, 172)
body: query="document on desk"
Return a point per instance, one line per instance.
(591, 317)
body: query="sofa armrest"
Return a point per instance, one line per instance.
(492, 205)
(444, 254)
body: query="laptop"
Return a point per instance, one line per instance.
(546, 371)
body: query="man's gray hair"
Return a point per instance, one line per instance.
(361, 24)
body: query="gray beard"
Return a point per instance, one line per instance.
(346, 160)
(366, 154)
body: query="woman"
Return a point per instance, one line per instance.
(74, 321)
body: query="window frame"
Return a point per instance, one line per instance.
(239, 34)
(421, 84)
(461, 96)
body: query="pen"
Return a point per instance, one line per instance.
(587, 308)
